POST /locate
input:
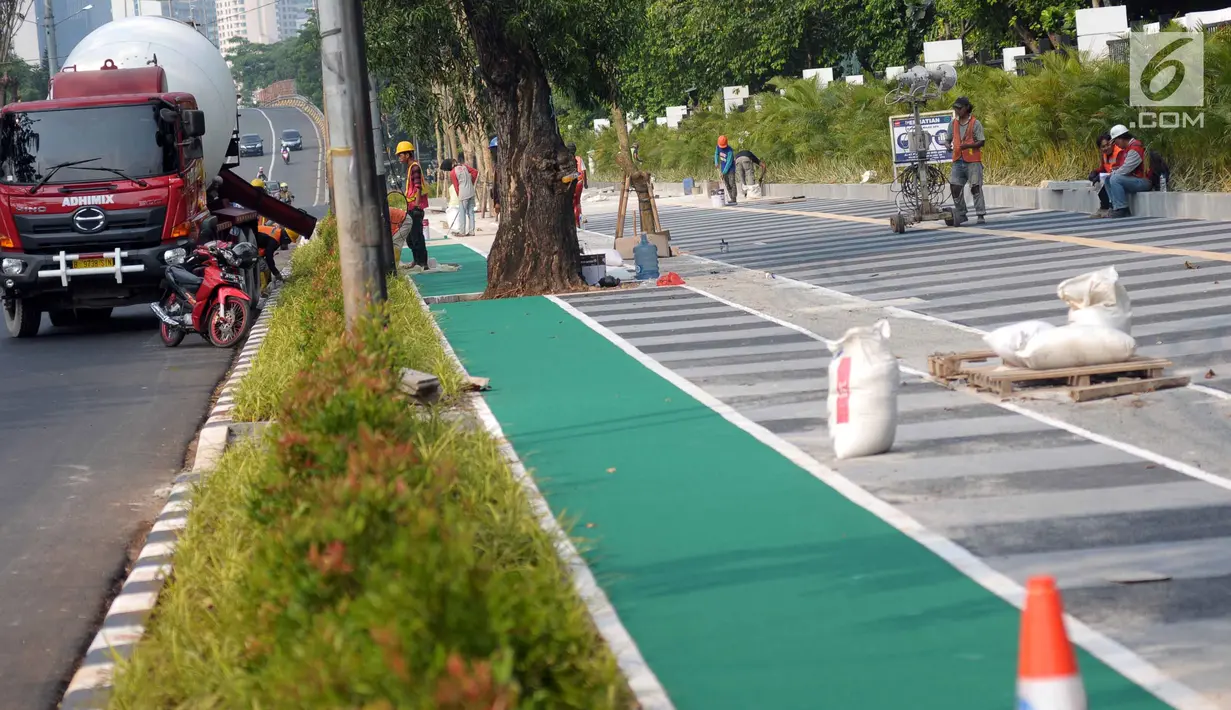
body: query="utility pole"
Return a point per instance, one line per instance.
(378, 146)
(352, 156)
(49, 28)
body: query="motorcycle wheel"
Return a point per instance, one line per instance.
(227, 322)
(171, 336)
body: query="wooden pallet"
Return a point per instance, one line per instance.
(948, 366)
(1083, 384)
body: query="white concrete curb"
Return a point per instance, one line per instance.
(124, 623)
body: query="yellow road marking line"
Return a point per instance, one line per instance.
(1033, 236)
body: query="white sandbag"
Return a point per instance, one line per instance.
(1098, 298)
(1008, 341)
(863, 392)
(612, 257)
(1077, 345)
(752, 192)
(453, 220)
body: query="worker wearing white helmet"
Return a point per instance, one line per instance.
(1129, 174)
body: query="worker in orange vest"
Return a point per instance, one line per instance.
(411, 232)
(966, 140)
(1129, 173)
(1109, 152)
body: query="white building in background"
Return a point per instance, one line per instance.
(292, 16)
(253, 20)
(26, 36)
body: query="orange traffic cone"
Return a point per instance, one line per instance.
(1047, 677)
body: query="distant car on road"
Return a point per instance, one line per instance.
(251, 144)
(291, 139)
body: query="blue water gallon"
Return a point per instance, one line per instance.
(688, 183)
(645, 256)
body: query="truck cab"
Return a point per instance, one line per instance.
(99, 187)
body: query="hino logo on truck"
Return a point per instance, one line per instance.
(88, 200)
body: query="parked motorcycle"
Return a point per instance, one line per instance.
(213, 302)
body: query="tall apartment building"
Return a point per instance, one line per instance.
(292, 15)
(253, 20)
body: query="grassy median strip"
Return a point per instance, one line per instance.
(366, 553)
(309, 316)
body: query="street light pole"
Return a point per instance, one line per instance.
(49, 27)
(352, 155)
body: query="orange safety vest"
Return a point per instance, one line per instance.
(1135, 146)
(970, 155)
(422, 198)
(1109, 163)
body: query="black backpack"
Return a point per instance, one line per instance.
(1158, 169)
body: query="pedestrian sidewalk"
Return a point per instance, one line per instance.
(748, 573)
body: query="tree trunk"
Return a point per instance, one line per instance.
(637, 177)
(1028, 38)
(439, 147)
(536, 249)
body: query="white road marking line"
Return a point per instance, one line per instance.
(1114, 655)
(272, 137)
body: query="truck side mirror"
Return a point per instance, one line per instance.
(194, 123)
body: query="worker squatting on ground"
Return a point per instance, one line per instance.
(583, 181)
(463, 178)
(724, 160)
(410, 234)
(746, 164)
(1109, 153)
(966, 140)
(1129, 173)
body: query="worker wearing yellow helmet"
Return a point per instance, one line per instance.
(258, 183)
(411, 231)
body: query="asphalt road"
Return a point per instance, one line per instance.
(95, 422)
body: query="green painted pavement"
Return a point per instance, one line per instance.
(745, 582)
(471, 278)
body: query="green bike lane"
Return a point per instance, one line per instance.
(745, 581)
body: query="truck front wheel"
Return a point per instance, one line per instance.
(22, 318)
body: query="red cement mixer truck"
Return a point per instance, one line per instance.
(121, 170)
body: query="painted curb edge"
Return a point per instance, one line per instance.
(124, 623)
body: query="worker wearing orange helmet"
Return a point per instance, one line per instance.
(724, 160)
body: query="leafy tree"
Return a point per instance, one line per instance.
(504, 57)
(255, 66)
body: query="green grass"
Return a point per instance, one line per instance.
(308, 316)
(365, 553)
(1039, 127)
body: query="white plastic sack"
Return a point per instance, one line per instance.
(863, 392)
(752, 192)
(612, 257)
(1077, 345)
(453, 220)
(1008, 341)
(1098, 298)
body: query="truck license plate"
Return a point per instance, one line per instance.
(94, 263)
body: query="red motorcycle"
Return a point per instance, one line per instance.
(204, 294)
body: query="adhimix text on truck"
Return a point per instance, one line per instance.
(123, 170)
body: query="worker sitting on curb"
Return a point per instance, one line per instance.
(724, 160)
(746, 164)
(1129, 174)
(966, 139)
(410, 234)
(1108, 153)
